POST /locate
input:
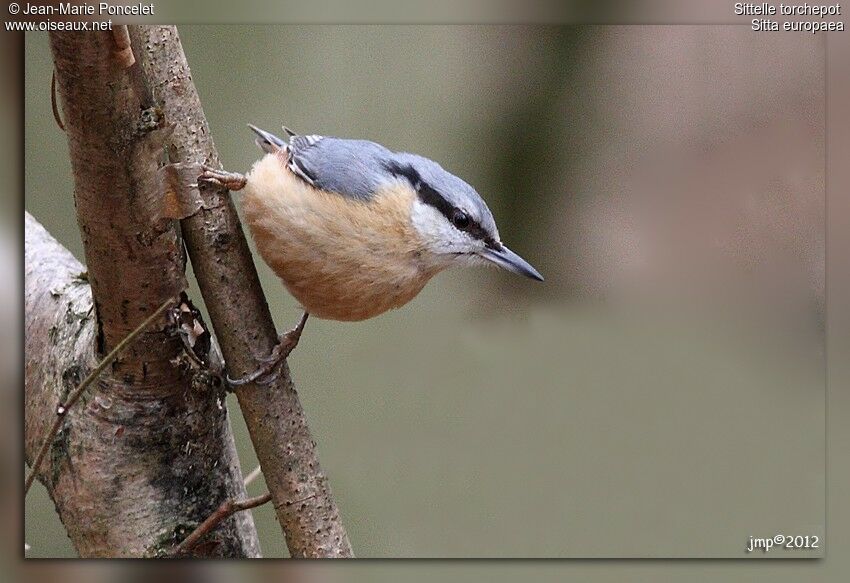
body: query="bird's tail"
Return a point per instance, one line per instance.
(268, 143)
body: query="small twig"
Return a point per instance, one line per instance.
(227, 508)
(73, 397)
(53, 102)
(255, 473)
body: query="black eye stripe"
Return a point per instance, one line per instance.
(431, 197)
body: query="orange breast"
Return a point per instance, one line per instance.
(341, 259)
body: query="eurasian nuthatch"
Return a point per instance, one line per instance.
(354, 229)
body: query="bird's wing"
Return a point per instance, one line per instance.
(298, 145)
(353, 168)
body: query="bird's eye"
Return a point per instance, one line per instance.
(460, 219)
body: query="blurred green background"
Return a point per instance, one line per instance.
(661, 394)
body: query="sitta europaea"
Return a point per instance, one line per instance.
(354, 229)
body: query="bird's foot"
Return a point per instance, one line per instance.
(268, 369)
(229, 180)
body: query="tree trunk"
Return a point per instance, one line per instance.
(138, 462)
(148, 453)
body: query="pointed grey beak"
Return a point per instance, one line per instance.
(507, 259)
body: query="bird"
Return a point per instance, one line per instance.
(354, 229)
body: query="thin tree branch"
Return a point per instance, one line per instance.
(255, 473)
(239, 313)
(53, 105)
(63, 408)
(226, 509)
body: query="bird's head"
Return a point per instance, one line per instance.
(452, 219)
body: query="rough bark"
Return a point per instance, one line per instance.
(239, 313)
(148, 454)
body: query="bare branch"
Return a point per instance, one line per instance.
(226, 509)
(239, 313)
(255, 473)
(53, 105)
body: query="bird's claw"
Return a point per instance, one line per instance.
(228, 180)
(268, 369)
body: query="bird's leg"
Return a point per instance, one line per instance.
(286, 344)
(229, 180)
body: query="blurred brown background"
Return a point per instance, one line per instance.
(662, 394)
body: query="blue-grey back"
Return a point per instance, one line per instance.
(355, 168)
